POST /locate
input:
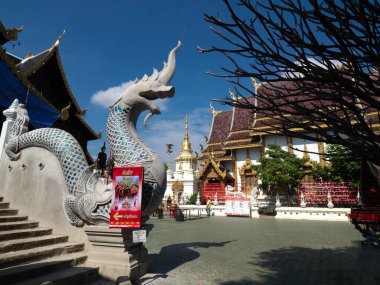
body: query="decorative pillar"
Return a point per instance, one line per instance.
(359, 199)
(113, 251)
(216, 202)
(198, 200)
(10, 116)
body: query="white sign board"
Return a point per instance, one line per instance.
(139, 236)
(236, 206)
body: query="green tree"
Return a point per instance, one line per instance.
(342, 165)
(280, 170)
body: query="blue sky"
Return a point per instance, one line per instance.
(109, 43)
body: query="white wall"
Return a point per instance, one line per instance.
(277, 140)
(311, 146)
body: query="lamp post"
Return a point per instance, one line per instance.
(169, 150)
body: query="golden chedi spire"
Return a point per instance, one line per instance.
(186, 151)
(186, 145)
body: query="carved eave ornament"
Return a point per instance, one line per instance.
(213, 111)
(9, 34)
(65, 113)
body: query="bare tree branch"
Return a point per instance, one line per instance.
(319, 64)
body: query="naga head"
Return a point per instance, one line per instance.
(138, 97)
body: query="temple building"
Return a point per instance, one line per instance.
(237, 140)
(182, 183)
(39, 82)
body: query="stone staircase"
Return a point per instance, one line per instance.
(30, 254)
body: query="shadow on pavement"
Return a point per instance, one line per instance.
(174, 255)
(299, 265)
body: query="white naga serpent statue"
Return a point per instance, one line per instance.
(89, 201)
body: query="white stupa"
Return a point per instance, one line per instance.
(182, 183)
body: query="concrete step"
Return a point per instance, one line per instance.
(18, 225)
(32, 270)
(8, 212)
(33, 242)
(25, 233)
(8, 219)
(69, 276)
(4, 205)
(15, 258)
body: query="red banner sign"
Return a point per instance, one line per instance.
(126, 199)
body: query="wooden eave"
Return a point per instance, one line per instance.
(96, 135)
(54, 52)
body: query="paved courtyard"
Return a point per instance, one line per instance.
(236, 250)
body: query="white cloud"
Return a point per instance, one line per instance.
(162, 103)
(106, 98)
(335, 63)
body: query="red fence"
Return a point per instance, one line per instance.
(315, 193)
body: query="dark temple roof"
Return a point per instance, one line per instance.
(45, 68)
(14, 86)
(240, 128)
(220, 128)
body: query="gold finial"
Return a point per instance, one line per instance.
(213, 110)
(255, 84)
(56, 45)
(28, 55)
(186, 146)
(65, 112)
(233, 97)
(186, 151)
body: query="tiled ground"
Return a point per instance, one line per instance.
(233, 250)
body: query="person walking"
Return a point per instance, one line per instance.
(102, 160)
(208, 206)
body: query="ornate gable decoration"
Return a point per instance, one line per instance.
(213, 169)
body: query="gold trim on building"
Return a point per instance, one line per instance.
(240, 147)
(290, 144)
